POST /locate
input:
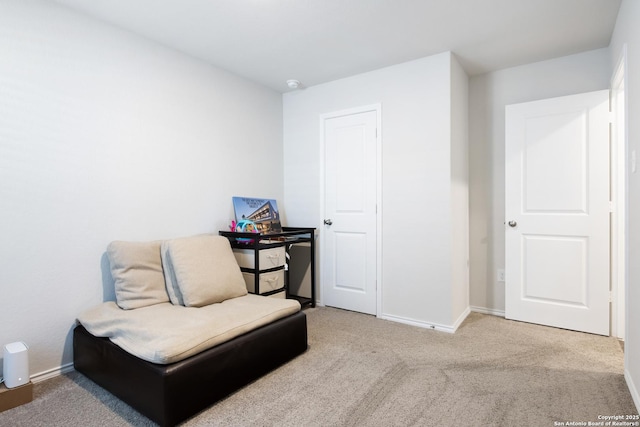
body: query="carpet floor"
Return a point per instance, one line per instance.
(363, 371)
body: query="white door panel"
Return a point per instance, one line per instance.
(555, 146)
(556, 269)
(349, 257)
(557, 212)
(350, 276)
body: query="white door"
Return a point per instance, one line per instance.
(350, 177)
(557, 212)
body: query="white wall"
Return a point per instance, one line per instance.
(416, 171)
(459, 191)
(488, 96)
(104, 136)
(627, 32)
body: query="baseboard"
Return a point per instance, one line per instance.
(485, 310)
(427, 325)
(412, 322)
(461, 318)
(52, 373)
(418, 323)
(632, 389)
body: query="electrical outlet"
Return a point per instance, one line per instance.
(500, 275)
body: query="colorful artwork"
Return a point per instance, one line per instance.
(263, 212)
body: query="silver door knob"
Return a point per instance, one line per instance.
(512, 223)
(328, 222)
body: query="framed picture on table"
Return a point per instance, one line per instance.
(262, 212)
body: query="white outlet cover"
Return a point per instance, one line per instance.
(501, 275)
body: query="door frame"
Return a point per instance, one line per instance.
(619, 196)
(377, 108)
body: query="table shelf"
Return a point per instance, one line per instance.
(288, 237)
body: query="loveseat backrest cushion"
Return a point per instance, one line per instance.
(136, 268)
(205, 269)
(175, 296)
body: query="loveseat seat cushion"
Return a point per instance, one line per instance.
(136, 268)
(166, 333)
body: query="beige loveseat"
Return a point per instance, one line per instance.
(183, 331)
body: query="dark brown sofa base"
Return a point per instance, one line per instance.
(169, 394)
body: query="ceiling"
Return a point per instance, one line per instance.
(316, 41)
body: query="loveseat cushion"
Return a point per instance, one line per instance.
(205, 269)
(136, 268)
(167, 333)
(169, 275)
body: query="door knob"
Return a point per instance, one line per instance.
(328, 222)
(512, 223)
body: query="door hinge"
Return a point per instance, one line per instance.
(612, 206)
(611, 116)
(610, 296)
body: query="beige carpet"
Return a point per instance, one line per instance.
(362, 371)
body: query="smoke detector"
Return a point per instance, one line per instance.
(293, 84)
